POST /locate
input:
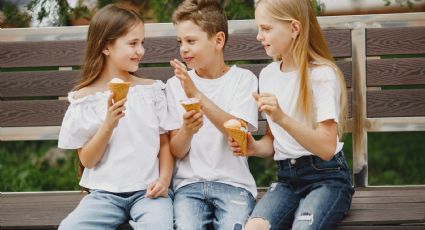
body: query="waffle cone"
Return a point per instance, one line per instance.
(120, 90)
(193, 106)
(240, 137)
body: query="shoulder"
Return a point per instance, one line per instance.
(271, 67)
(88, 90)
(142, 81)
(245, 74)
(323, 73)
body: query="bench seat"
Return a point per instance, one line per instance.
(372, 208)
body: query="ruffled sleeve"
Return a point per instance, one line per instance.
(79, 124)
(160, 105)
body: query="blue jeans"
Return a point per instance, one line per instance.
(105, 210)
(203, 204)
(310, 194)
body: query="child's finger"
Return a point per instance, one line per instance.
(149, 189)
(256, 96)
(111, 96)
(156, 190)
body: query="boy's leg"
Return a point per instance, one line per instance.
(323, 207)
(232, 205)
(97, 210)
(276, 207)
(148, 213)
(191, 210)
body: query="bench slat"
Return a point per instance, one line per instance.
(398, 71)
(396, 103)
(46, 210)
(59, 83)
(158, 50)
(406, 40)
(32, 113)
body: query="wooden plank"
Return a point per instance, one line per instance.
(59, 83)
(158, 50)
(397, 71)
(402, 40)
(396, 103)
(32, 113)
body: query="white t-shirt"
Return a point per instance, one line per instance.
(210, 158)
(130, 161)
(285, 86)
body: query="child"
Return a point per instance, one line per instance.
(118, 145)
(212, 187)
(303, 96)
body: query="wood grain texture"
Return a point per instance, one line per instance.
(32, 113)
(158, 50)
(397, 71)
(403, 40)
(396, 103)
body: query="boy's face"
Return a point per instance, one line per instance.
(196, 48)
(275, 36)
(125, 54)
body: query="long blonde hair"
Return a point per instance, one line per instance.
(107, 25)
(307, 49)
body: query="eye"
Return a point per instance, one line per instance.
(133, 43)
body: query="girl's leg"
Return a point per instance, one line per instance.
(149, 213)
(275, 210)
(323, 207)
(97, 210)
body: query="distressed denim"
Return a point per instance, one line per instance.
(310, 193)
(105, 210)
(205, 204)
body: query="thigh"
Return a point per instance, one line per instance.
(148, 213)
(191, 211)
(97, 210)
(277, 206)
(323, 207)
(232, 206)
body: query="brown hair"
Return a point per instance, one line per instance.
(308, 48)
(107, 25)
(207, 14)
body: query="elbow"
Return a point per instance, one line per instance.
(177, 155)
(87, 164)
(328, 153)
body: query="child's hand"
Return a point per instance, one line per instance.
(192, 121)
(115, 112)
(157, 189)
(250, 148)
(268, 103)
(181, 73)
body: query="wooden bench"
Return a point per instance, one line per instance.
(39, 66)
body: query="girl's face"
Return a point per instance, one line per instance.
(125, 54)
(275, 36)
(196, 48)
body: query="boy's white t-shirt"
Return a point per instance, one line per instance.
(210, 158)
(285, 86)
(130, 162)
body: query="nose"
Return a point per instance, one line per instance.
(140, 50)
(183, 48)
(260, 36)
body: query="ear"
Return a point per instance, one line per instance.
(220, 39)
(295, 28)
(106, 51)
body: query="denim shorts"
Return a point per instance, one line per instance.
(202, 205)
(310, 193)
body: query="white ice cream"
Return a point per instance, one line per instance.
(116, 80)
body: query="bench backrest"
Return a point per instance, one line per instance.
(39, 66)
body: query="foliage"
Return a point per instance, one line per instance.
(12, 17)
(402, 3)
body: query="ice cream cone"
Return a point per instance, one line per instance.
(120, 90)
(240, 137)
(191, 104)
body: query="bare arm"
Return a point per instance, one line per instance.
(91, 153)
(180, 140)
(320, 140)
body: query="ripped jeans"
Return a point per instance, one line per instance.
(203, 204)
(311, 193)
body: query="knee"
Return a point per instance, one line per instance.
(257, 224)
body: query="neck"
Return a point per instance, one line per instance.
(212, 71)
(109, 73)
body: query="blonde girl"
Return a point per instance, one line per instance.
(302, 94)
